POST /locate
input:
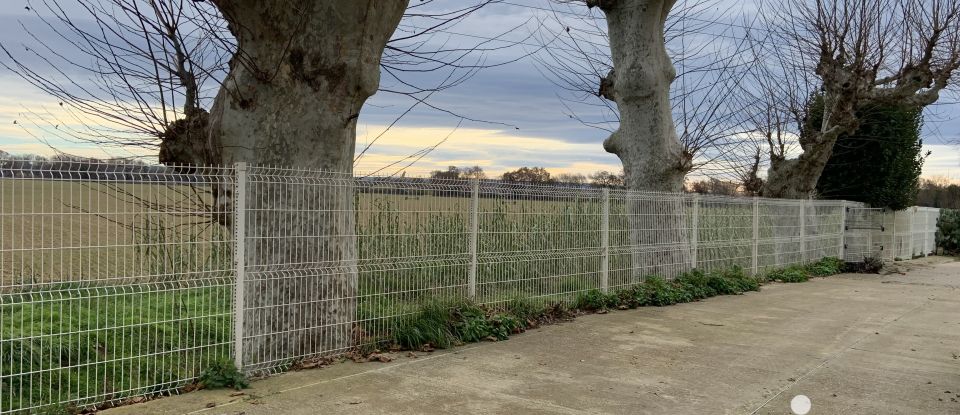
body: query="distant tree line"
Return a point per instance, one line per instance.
(534, 175)
(939, 193)
(67, 167)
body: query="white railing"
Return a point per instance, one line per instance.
(118, 280)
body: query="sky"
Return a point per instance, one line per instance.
(528, 115)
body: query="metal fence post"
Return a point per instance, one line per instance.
(756, 235)
(894, 248)
(474, 231)
(841, 254)
(695, 231)
(911, 216)
(605, 242)
(803, 231)
(239, 258)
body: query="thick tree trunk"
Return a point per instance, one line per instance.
(292, 98)
(646, 141)
(797, 178)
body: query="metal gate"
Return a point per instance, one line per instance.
(864, 234)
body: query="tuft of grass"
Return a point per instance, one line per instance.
(523, 309)
(595, 300)
(789, 275)
(430, 326)
(802, 273)
(442, 324)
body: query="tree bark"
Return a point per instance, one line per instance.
(646, 140)
(295, 89)
(797, 178)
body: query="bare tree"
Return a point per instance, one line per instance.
(144, 73)
(572, 178)
(714, 186)
(852, 53)
(605, 178)
(127, 73)
(620, 61)
(694, 82)
(459, 173)
(290, 94)
(536, 175)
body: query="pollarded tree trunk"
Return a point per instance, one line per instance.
(646, 141)
(296, 86)
(797, 178)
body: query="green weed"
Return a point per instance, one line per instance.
(221, 374)
(594, 300)
(826, 267)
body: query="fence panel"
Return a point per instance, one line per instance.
(115, 280)
(539, 242)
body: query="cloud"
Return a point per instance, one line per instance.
(491, 149)
(516, 94)
(944, 160)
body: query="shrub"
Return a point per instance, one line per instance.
(889, 136)
(719, 285)
(697, 284)
(740, 281)
(660, 293)
(222, 374)
(948, 231)
(825, 267)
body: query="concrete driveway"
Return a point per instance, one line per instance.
(852, 344)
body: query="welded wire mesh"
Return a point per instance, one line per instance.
(115, 280)
(124, 280)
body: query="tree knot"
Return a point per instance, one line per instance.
(607, 86)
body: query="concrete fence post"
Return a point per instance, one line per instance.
(239, 259)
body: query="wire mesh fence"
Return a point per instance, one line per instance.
(118, 281)
(115, 281)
